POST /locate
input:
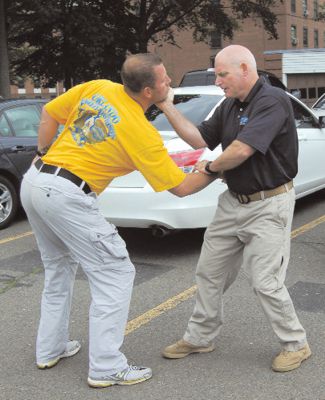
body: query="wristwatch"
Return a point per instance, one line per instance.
(207, 168)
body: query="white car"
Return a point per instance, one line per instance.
(130, 201)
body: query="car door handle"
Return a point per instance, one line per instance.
(16, 149)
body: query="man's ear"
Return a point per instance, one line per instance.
(244, 68)
(147, 92)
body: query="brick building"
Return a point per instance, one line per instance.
(297, 57)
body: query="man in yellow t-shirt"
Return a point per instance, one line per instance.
(106, 135)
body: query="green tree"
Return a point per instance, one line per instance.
(321, 12)
(148, 18)
(58, 39)
(76, 40)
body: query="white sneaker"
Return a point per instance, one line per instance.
(129, 376)
(72, 348)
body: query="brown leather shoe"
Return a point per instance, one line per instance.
(182, 349)
(289, 360)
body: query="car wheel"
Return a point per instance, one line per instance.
(8, 202)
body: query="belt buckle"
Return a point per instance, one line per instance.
(243, 198)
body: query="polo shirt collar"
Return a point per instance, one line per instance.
(252, 93)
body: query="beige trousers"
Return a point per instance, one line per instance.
(255, 236)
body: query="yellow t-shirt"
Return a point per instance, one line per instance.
(107, 135)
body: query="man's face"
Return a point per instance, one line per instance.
(161, 88)
(230, 78)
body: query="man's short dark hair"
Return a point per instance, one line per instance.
(138, 71)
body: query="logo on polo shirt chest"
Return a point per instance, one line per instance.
(243, 120)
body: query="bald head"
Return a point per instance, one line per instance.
(236, 72)
(236, 55)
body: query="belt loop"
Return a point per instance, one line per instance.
(286, 187)
(57, 171)
(262, 195)
(82, 184)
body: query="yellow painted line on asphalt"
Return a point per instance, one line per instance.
(155, 312)
(172, 302)
(188, 293)
(11, 238)
(307, 227)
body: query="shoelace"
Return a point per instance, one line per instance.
(121, 374)
(135, 367)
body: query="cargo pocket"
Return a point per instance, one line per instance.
(282, 209)
(108, 245)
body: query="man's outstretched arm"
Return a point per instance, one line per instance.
(183, 127)
(192, 183)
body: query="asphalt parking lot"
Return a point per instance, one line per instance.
(163, 298)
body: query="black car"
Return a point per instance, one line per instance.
(204, 77)
(19, 121)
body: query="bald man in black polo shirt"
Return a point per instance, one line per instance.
(251, 228)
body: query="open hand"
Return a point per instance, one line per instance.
(168, 100)
(200, 166)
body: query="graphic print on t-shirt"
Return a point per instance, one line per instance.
(95, 121)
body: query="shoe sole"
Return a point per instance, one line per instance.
(293, 366)
(182, 355)
(53, 363)
(104, 384)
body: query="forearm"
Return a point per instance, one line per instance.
(183, 127)
(194, 182)
(47, 131)
(234, 155)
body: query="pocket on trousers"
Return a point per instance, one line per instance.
(282, 209)
(109, 246)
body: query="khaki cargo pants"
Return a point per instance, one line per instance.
(256, 237)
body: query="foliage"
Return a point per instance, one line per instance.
(77, 40)
(321, 12)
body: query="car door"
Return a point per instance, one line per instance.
(20, 137)
(311, 160)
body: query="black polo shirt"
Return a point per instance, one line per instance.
(264, 121)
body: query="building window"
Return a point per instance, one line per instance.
(303, 92)
(215, 39)
(316, 9)
(293, 6)
(305, 8)
(305, 37)
(294, 39)
(311, 93)
(316, 38)
(20, 82)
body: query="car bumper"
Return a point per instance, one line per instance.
(144, 208)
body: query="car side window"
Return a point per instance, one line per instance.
(24, 120)
(303, 118)
(320, 103)
(5, 130)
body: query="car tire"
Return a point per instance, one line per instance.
(8, 202)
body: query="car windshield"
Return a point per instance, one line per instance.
(320, 103)
(194, 107)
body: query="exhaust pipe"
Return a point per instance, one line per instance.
(158, 231)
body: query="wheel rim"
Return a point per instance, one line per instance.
(5, 202)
